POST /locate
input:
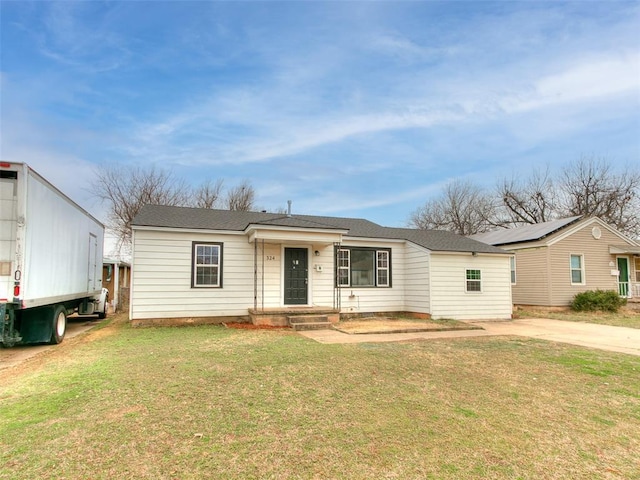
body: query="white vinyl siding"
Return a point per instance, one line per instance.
(417, 290)
(162, 277)
(449, 298)
(363, 299)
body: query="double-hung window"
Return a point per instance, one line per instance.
(363, 267)
(206, 265)
(474, 280)
(577, 269)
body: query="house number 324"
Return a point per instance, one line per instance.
(271, 257)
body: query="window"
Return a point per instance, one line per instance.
(207, 265)
(577, 269)
(363, 267)
(383, 268)
(513, 270)
(474, 280)
(344, 262)
(637, 262)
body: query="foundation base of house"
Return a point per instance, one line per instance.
(356, 315)
(185, 321)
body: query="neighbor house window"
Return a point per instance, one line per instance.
(364, 267)
(513, 270)
(474, 280)
(637, 262)
(577, 269)
(207, 265)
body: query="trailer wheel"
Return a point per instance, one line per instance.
(59, 320)
(103, 313)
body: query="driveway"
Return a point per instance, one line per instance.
(603, 337)
(10, 357)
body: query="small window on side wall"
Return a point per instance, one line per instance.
(513, 270)
(577, 269)
(206, 265)
(474, 280)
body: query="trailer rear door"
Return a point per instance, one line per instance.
(8, 226)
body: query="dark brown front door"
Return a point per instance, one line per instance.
(295, 276)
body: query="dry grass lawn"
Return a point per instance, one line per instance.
(212, 402)
(626, 317)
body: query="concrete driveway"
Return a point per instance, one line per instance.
(603, 337)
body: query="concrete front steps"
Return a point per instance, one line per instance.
(310, 322)
(298, 318)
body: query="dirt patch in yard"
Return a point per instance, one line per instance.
(400, 325)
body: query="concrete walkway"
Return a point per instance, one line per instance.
(603, 337)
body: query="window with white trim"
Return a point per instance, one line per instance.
(474, 280)
(383, 268)
(363, 267)
(344, 267)
(206, 265)
(577, 269)
(512, 263)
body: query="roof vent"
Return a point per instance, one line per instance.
(289, 208)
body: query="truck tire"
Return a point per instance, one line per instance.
(59, 324)
(103, 314)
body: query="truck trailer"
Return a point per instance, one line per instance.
(50, 259)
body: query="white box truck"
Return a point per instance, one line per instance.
(50, 259)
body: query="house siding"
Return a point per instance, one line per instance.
(377, 299)
(449, 298)
(417, 297)
(532, 271)
(596, 264)
(161, 280)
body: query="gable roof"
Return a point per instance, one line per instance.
(209, 219)
(527, 233)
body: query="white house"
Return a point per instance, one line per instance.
(204, 265)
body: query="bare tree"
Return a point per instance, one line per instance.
(241, 197)
(590, 187)
(532, 200)
(127, 189)
(208, 195)
(463, 208)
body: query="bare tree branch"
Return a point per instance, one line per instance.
(208, 195)
(463, 208)
(589, 187)
(529, 201)
(241, 197)
(127, 189)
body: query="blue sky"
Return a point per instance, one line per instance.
(361, 109)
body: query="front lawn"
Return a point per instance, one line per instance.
(211, 402)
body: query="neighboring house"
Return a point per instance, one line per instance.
(116, 277)
(555, 260)
(198, 265)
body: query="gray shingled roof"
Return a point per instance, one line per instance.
(209, 219)
(528, 233)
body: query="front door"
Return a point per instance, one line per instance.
(295, 276)
(623, 276)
